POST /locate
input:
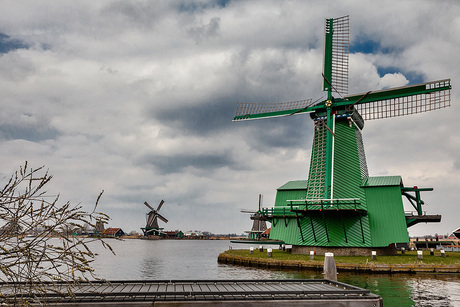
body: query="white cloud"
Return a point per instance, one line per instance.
(392, 80)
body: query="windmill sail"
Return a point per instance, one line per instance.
(336, 51)
(246, 111)
(404, 100)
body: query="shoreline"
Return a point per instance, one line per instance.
(318, 265)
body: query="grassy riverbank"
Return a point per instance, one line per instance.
(408, 262)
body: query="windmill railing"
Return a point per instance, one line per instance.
(278, 211)
(294, 207)
(335, 204)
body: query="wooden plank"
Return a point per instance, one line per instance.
(152, 291)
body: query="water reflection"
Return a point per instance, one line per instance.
(190, 259)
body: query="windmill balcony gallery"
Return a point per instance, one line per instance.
(340, 207)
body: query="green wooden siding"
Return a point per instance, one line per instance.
(294, 185)
(329, 230)
(285, 230)
(382, 181)
(386, 215)
(347, 169)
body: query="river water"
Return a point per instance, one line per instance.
(197, 259)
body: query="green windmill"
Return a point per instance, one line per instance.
(339, 205)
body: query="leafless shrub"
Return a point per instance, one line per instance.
(31, 263)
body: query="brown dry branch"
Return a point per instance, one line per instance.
(33, 264)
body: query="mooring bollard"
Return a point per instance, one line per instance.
(443, 253)
(403, 250)
(312, 255)
(261, 248)
(374, 255)
(330, 270)
(431, 251)
(420, 254)
(251, 250)
(269, 252)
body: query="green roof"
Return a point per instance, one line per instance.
(294, 185)
(382, 181)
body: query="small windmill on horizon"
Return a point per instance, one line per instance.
(259, 226)
(152, 228)
(340, 205)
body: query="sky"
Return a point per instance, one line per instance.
(136, 98)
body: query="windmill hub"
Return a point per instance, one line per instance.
(340, 205)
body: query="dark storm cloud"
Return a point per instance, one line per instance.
(208, 118)
(261, 135)
(167, 164)
(288, 132)
(8, 132)
(191, 6)
(29, 126)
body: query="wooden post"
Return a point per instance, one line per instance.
(251, 250)
(443, 253)
(312, 255)
(261, 248)
(374, 255)
(431, 252)
(330, 270)
(269, 252)
(420, 254)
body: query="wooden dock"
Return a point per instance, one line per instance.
(307, 292)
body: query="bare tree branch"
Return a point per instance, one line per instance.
(31, 261)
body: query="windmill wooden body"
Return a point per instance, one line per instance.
(340, 205)
(152, 228)
(259, 226)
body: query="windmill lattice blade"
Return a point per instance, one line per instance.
(155, 221)
(340, 50)
(336, 54)
(436, 97)
(247, 111)
(248, 211)
(147, 204)
(162, 218)
(161, 204)
(150, 219)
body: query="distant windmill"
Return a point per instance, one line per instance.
(340, 205)
(99, 227)
(152, 228)
(260, 225)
